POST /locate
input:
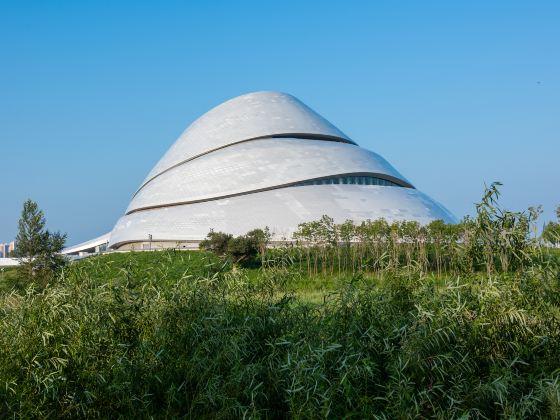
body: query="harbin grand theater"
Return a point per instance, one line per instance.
(263, 159)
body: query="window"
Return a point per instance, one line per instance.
(354, 180)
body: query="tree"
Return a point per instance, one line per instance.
(242, 249)
(261, 238)
(38, 250)
(436, 234)
(551, 233)
(216, 242)
(346, 232)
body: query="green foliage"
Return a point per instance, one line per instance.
(551, 233)
(239, 249)
(37, 249)
(242, 248)
(9, 279)
(178, 334)
(260, 238)
(216, 242)
(496, 240)
(501, 233)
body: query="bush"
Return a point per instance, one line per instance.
(240, 249)
(216, 242)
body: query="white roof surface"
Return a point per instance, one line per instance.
(234, 170)
(257, 114)
(256, 165)
(92, 243)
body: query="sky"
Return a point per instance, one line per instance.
(455, 95)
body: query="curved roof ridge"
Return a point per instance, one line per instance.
(317, 137)
(397, 181)
(263, 163)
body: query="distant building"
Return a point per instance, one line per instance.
(7, 248)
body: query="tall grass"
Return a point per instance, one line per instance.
(161, 338)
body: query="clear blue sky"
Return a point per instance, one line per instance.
(453, 94)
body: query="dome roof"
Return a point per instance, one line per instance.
(266, 159)
(247, 117)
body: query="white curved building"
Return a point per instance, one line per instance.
(264, 159)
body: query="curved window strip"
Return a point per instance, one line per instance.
(350, 179)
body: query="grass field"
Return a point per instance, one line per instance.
(8, 279)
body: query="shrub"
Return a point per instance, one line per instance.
(216, 242)
(240, 249)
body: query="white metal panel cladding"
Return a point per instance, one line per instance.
(92, 243)
(232, 152)
(248, 116)
(281, 210)
(258, 165)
